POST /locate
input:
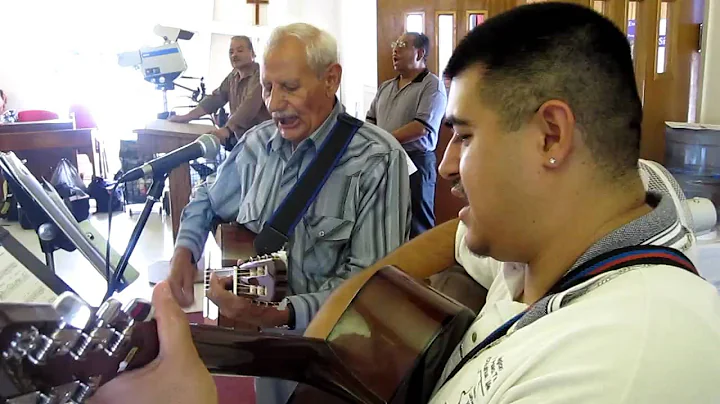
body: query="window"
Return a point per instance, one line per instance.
(661, 64)
(445, 38)
(475, 18)
(415, 22)
(600, 6)
(632, 21)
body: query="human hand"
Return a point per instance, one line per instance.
(179, 118)
(176, 376)
(222, 133)
(182, 277)
(242, 309)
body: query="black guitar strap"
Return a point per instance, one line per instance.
(276, 231)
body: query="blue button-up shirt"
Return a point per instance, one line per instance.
(361, 214)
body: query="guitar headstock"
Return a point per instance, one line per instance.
(61, 353)
(262, 278)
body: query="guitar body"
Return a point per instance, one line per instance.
(384, 338)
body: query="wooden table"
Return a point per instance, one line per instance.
(38, 126)
(162, 137)
(43, 145)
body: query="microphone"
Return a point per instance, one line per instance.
(206, 146)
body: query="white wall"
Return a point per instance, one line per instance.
(358, 52)
(353, 24)
(710, 84)
(35, 70)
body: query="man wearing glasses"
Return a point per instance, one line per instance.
(411, 107)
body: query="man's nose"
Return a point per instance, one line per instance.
(449, 167)
(276, 101)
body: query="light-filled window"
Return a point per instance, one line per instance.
(445, 39)
(661, 64)
(632, 21)
(475, 19)
(415, 22)
(600, 6)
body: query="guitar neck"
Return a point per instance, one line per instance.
(304, 360)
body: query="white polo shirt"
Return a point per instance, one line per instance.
(648, 335)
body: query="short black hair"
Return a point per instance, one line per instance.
(421, 42)
(247, 40)
(538, 52)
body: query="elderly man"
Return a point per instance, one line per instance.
(618, 336)
(241, 88)
(361, 214)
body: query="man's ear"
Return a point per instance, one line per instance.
(557, 123)
(333, 77)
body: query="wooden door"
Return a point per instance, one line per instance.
(445, 22)
(665, 38)
(664, 35)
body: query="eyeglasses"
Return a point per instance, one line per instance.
(398, 44)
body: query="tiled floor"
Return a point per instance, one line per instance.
(155, 245)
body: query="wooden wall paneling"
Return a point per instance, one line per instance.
(667, 95)
(617, 11)
(645, 27)
(685, 37)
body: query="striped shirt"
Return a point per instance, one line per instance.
(361, 214)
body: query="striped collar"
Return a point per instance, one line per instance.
(661, 226)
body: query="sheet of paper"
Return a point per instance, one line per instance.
(18, 284)
(692, 126)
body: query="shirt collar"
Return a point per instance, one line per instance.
(638, 232)
(419, 78)
(641, 231)
(254, 69)
(276, 141)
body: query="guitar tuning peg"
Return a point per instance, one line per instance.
(135, 311)
(101, 331)
(75, 316)
(73, 310)
(138, 309)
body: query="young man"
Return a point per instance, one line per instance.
(411, 107)
(547, 120)
(241, 88)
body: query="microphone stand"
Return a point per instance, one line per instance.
(153, 196)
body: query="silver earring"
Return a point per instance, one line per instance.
(552, 160)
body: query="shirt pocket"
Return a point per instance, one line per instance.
(328, 229)
(331, 219)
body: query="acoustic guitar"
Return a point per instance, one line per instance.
(384, 341)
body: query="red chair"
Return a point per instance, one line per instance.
(83, 117)
(35, 115)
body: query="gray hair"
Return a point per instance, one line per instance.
(320, 46)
